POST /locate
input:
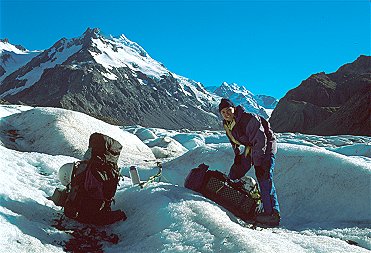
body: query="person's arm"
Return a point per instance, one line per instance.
(235, 147)
(258, 140)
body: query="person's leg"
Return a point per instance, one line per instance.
(273, 193)
(267, 188)
(268, 194)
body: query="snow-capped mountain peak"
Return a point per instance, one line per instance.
(233, 88)
(6, 46)
(13, 57)
(107, 68)
(268, 102)
(50, 58)
(91, 33)
(121, 52)
(125, 41)
(242, 96)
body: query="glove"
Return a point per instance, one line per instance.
(237, 150)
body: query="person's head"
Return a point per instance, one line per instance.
(226, 109)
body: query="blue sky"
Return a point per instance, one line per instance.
(267, 46)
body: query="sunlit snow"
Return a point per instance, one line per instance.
(323, 186)
(6, 46)
(114, 54)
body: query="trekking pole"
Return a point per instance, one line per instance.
(159, 164)
(152, 178)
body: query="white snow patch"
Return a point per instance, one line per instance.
(109, 75)
(324, 196)
(360, 149)
(117, 54)
(63, 132)
(6, 46)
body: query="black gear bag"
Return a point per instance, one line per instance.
(217, 187)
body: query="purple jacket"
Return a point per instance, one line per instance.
(249, 131)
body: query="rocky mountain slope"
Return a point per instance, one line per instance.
(329, 104)
(113, 79)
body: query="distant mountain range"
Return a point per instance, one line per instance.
(113, 79)
(259, 104)
(329, 104)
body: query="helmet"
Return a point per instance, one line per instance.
(248, 183)
(65, 173)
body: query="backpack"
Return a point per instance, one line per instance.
(231, 195)
(94, 181)
(195, 178)
(267, 130)
(216, 186)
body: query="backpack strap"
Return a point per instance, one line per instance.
(228, 129)
(244, 121)
(267, 130)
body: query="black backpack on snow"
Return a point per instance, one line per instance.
(217, 187)
(94, 182)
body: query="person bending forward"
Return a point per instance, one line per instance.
(254, 133)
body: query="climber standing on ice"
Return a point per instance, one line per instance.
(254, 133)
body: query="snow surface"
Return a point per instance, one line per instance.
(324, 196)
(63, 132)
(269, 112)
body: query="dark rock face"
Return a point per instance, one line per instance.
(352, 118)
(328, 104)
(124, 102)
(2, 71)
(5, 57)
(133, 98)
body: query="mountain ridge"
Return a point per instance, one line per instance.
(318, 104)
(239, 95)
(76, 74)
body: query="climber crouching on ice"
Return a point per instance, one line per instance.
(253, 132)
